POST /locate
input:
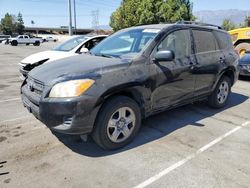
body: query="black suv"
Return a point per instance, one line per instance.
(135, 73)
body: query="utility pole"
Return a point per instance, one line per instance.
(70, 19)
(75, 14)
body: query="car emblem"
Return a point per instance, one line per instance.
(31, 86)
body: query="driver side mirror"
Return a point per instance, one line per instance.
(165, 55)
(84, 50)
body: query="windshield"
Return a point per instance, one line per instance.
(70, 44)
(123, 43)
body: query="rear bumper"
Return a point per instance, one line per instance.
(69, 115)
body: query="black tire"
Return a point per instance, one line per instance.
(37, 43)
(14, 43)
(214, 100)
(101, 130)
(27, 44)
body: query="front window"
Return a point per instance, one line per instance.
(179, 42)
(70, 44)
(123, 43)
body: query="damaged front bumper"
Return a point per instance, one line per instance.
(65, 115)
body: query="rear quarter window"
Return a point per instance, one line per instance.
(224, 40)
(204, 41)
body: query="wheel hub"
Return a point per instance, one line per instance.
(121, 124)
(223, 92)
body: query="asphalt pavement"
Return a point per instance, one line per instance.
(191, 146)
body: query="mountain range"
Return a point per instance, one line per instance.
(217, 16)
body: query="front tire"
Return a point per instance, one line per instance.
(117, 123)
(220, 95)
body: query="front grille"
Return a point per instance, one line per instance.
(33, 90)
(35, 86)
(244, 67)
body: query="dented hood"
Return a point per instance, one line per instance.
(73, 67)
(51, 55)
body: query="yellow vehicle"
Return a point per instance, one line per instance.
(241, 39)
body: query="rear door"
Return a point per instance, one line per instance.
(226, 46)
(208, 56)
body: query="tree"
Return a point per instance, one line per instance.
(126, 15)
(20, 24)
(7, 24)
(138, 12)
(228, 25)
(247, 21)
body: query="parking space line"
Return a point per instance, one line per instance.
(7, 100)
(188, 158)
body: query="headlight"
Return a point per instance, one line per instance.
(247, 67)
(71, 88)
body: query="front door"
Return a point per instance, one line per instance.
(21, 39)
(173, 81)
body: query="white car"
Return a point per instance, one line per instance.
(50, 39)
(71, 47)
(25, 39)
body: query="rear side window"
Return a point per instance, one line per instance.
(224, 40)
(204, 41)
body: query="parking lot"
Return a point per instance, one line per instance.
(192, 146)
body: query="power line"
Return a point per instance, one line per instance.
(75, 15)
(95, 19)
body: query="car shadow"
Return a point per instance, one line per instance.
(244, 78)
(153, 128)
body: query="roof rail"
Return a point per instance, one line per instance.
(198, 23)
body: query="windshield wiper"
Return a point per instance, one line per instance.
(106, 55)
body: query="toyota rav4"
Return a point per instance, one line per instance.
(135, 73)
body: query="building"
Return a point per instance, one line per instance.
(50, 30)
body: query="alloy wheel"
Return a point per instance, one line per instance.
(121, 124)
(223, 92)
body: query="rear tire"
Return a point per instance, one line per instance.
(117, 123)
(37, 43)
(14, 43)
(220, 95)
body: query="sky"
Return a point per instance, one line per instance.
(54, 13)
